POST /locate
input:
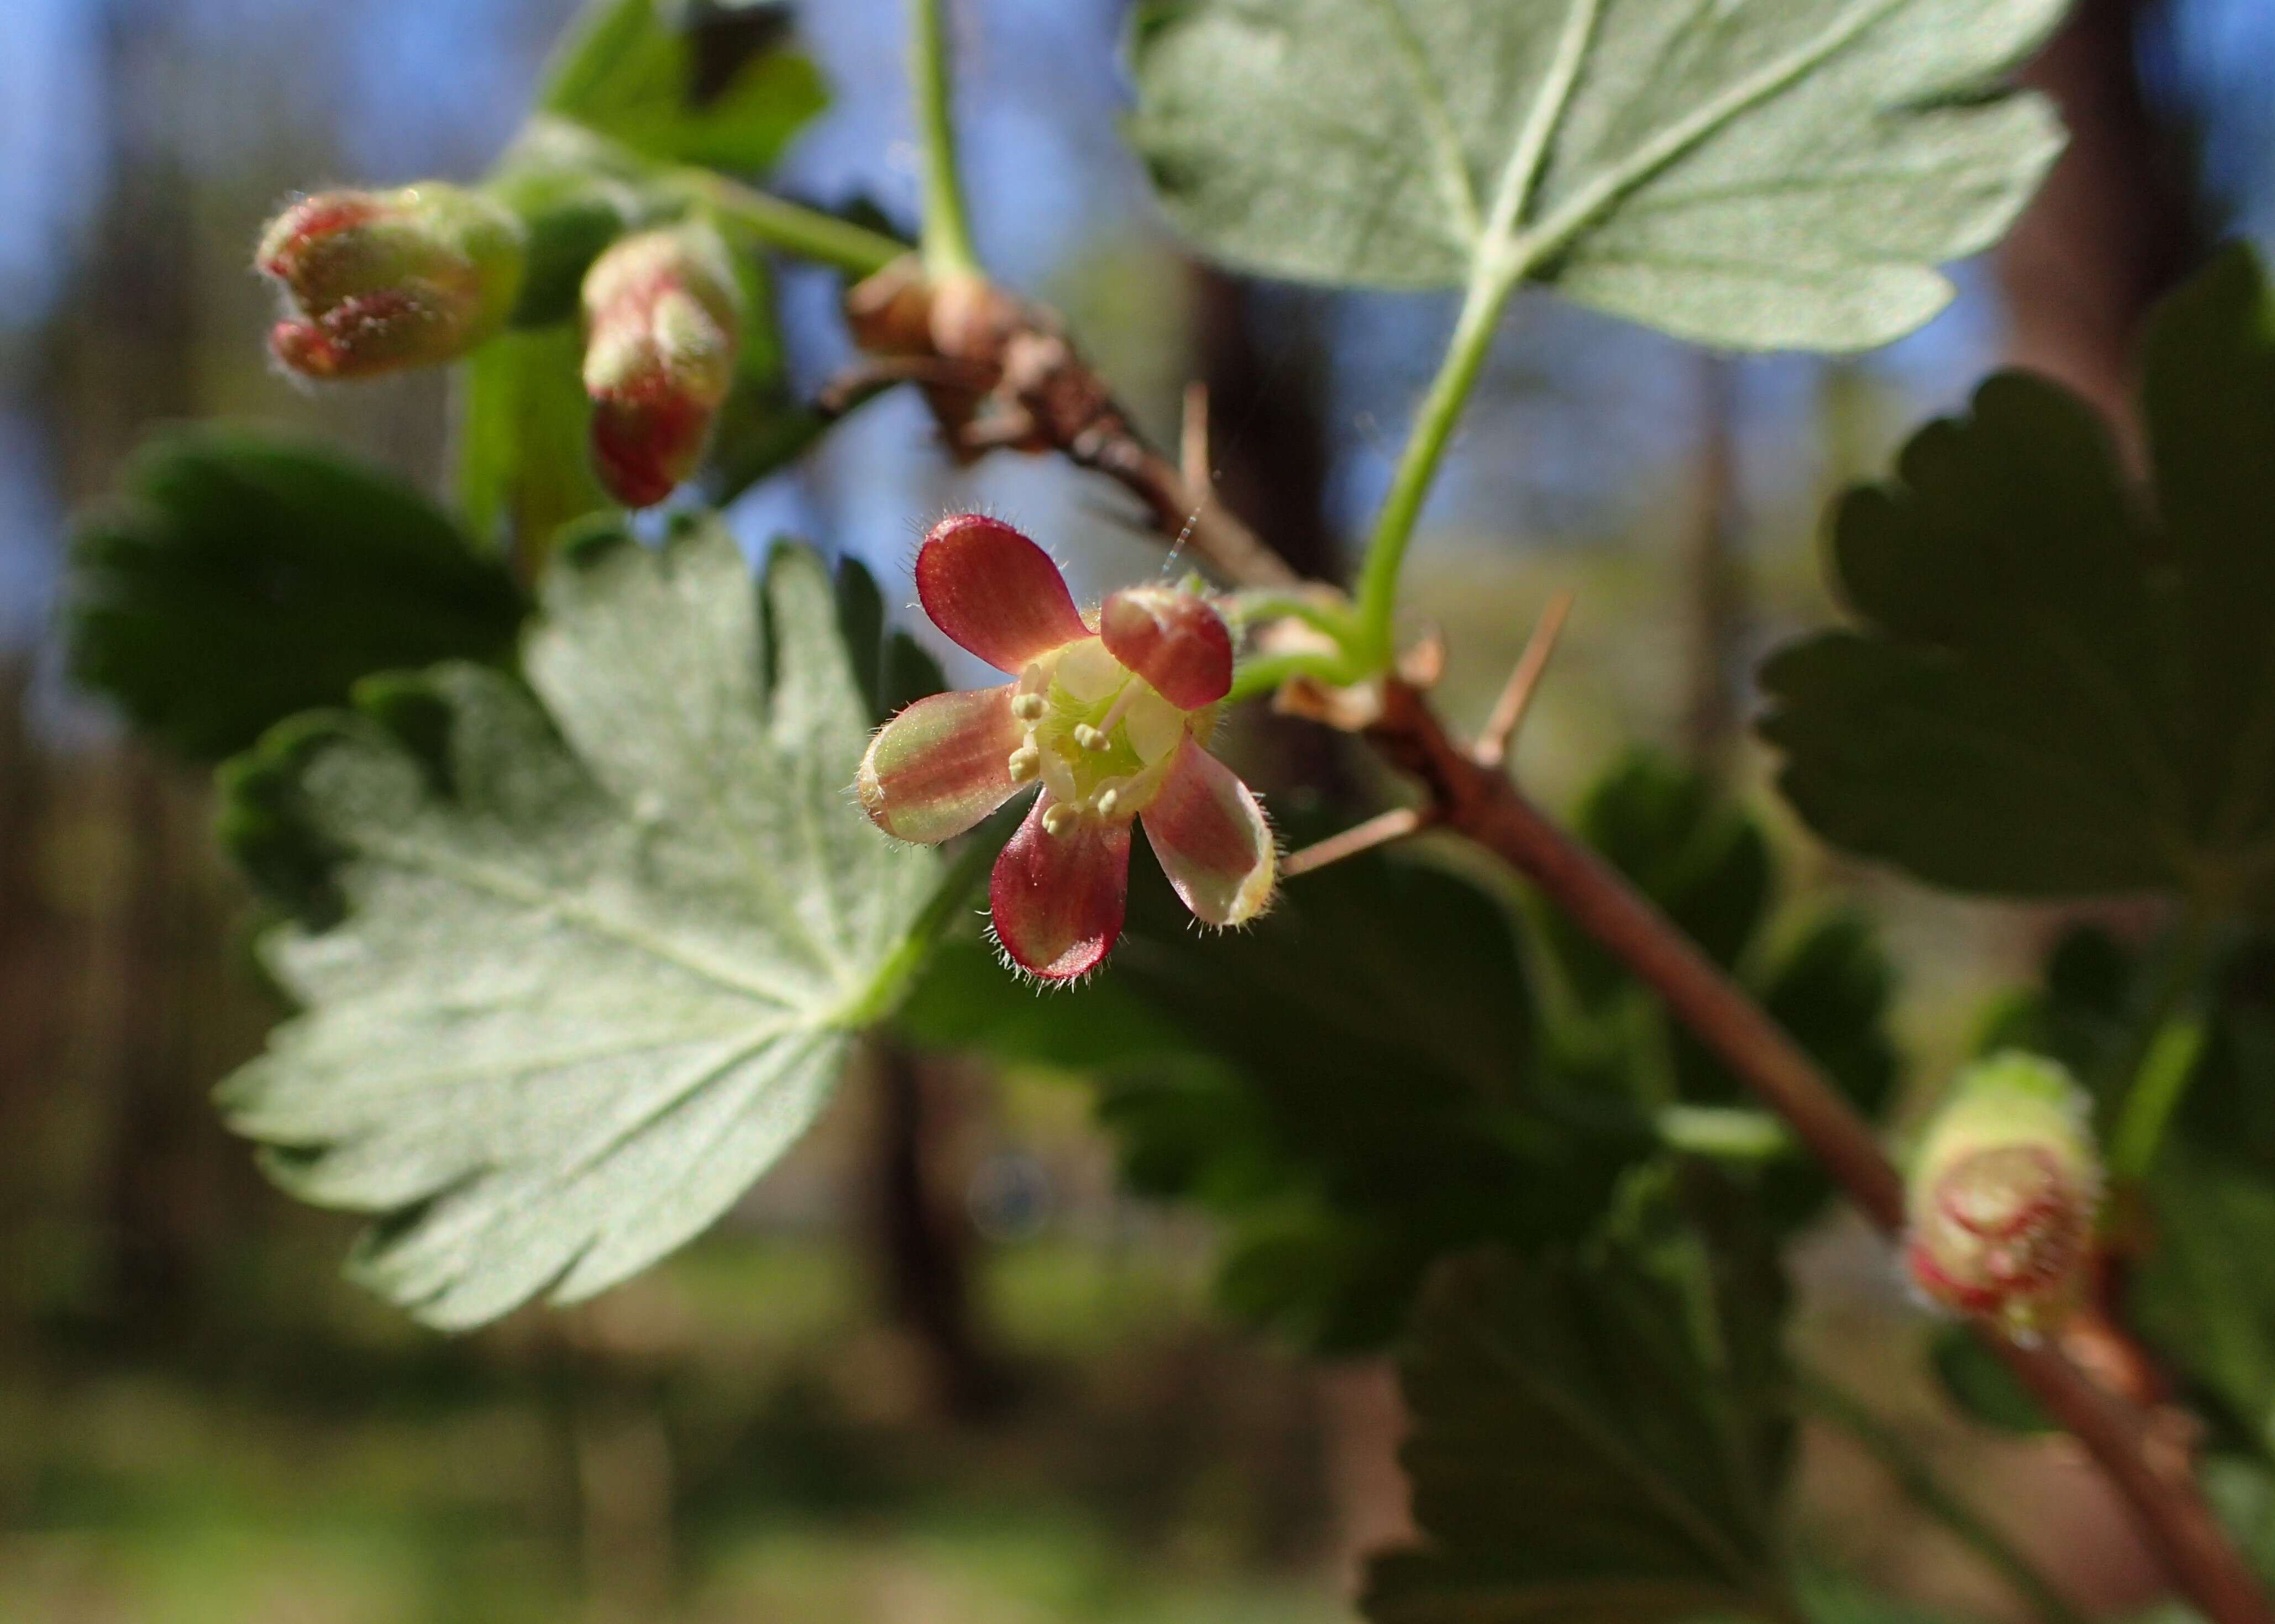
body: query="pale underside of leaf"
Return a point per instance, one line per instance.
(1750, 172)
(596, 967)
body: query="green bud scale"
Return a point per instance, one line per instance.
(2003, 1196)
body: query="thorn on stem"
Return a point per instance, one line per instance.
(1516, 695)
(1378, 831)
(1193, 444)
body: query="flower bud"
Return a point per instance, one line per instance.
(663, 316)
(384, 280)
(2003, 1196)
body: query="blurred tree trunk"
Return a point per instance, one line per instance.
(1267, 419)
(2116, 224)
(125, 360)
(1712, 577)
(923, 1238)
(1264, 369)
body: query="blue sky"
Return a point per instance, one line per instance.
(418, 87)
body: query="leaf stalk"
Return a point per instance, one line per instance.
(947, 249)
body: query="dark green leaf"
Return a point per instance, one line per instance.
(591, 959)
(1348, 1085)
(1764, 175)
(630, 73)
(892, 668)
(2053, 692)
(1983, 1386)
(1602, 1436)
(240, 578)
(1696, 856)
(1707, 865)
(2202, 1295)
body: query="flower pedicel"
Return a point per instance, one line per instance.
(1111, 716)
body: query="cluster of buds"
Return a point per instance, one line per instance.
(2004, 1195)
(662, 318)
(1109, 712)
(384, 280)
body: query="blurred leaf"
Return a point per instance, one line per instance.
(575, 193)
(239, 578)
(765, 424)
(1982, 1386)
(1602, 1435)
(1762, 175)
(891, 666)
(1700, 858)
(2056, 692)
(524, 422)
(629, 72)
(1348, 1085)
(577, 968)
(1705, 864)
(2201, 1295)
(1828, 1597)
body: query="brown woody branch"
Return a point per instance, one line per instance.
(1055, 401)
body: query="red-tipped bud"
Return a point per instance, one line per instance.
(2004, 1194)
(384, 280)
(662, 318)
(1173, 638)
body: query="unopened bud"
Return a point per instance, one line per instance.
(662, 319)
(385, 280)
(2003, 1196)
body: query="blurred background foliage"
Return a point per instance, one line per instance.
(956, 1361)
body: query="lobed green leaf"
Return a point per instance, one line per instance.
(2060, 687)
(1759, 173)
(577, 964)
(239, 578)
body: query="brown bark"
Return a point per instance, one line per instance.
(1712, 576)
(924, 1241)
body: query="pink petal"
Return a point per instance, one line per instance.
(996, 593)
(941, 765)
(1058, 898)
(1212, 838)
(1175, 640)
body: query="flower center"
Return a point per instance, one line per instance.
(1099, 737)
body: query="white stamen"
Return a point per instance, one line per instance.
(1027, 762)
(1028, 708)
(1059, 819)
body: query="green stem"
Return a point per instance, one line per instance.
(794, 228)
(1425, 449)
(946, 233)
(1330, 615)
(1919, 1483)
(1267, 672)
(2162, 1057)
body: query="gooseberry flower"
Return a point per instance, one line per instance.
(1110, 714)
(2004, 1194)
(384, 280)
(662, 317)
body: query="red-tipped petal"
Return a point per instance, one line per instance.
(1175, 640)
(1058, 898)
(996, 593)
(941, 765)
(1212, 838)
